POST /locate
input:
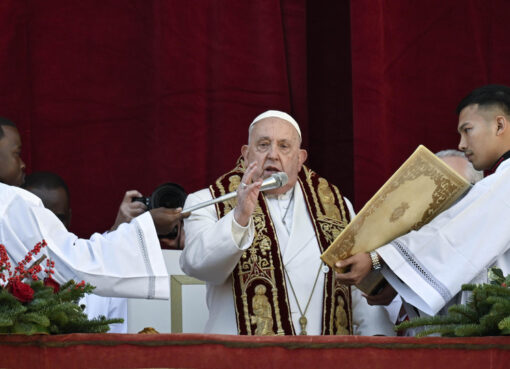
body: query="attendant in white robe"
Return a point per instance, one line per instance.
(127, 262)
(54, 193)
(214, 246)
(428, 267)
(397, 310)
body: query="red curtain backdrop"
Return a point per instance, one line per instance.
(115, 94)
(122, 94)
(412, 62)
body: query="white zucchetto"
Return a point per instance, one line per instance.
(276, 114)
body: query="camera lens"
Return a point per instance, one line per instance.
(168, 195)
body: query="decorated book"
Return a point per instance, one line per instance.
(417, 192)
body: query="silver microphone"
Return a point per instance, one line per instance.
(276, 180)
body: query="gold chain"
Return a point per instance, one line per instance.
(302, 320)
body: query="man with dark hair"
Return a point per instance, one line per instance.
(428, 267)
(487, 96)
(12, 168)
(53, 192)
(4, 122)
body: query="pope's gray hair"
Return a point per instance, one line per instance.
(473, 174)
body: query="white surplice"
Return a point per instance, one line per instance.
(127, 262)
(109, 307)
(428, 267)
(214, 247)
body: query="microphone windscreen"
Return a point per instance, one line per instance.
(282, 178)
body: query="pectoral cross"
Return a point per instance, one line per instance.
(302, 322)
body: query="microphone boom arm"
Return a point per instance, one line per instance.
(276, 180)
(225, 197)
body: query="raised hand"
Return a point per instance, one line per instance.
(247, 194)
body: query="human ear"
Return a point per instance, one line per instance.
(244, 152)
(303, 154)
(501, 125)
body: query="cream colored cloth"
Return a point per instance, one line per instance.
(211, 254)
(125, 263)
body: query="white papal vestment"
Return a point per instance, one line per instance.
(428, 267)
(214, 247)
(127, 262)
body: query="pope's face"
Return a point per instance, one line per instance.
(274, 144)
(478, 131)
(12, 168)
(459, 164)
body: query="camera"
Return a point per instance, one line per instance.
(168, 195)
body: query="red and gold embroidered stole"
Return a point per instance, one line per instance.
(260, 294)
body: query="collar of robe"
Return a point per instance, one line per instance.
(503, 157)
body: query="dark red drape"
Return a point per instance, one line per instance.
(122, 94)
(412, 62)
(115, 94)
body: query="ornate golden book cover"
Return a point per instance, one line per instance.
(419, 190)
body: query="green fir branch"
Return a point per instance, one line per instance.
(464, 313)
(444, 330)
(469, 330)
(468, 287)
(487, 312)
(504, 324)
(427, 321)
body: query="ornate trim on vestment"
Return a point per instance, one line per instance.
(260, 298)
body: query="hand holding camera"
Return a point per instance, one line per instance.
(129, 208)
(167, 196)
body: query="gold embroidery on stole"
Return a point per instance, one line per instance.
(331, 219)
(341, 322)
(254, 269)
(263, 300)
(263, 317)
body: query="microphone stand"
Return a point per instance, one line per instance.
(225, 197)
(277, 180)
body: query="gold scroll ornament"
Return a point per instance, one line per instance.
(417, 192)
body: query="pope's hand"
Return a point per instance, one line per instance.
(166, 219)
(358, 266)
(247, 194)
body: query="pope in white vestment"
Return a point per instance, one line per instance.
(214, 247)
(127, 262)
(218, 249)
(468, 238)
